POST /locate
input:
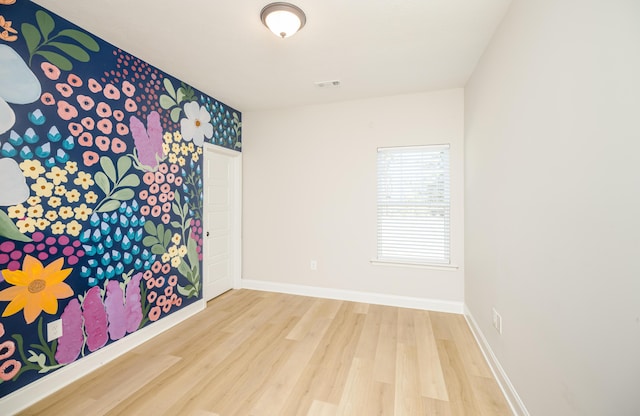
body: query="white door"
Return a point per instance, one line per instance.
(221, 260)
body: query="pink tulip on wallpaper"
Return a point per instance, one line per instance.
(95, 319)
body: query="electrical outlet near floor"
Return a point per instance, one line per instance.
(497, 321)
(313, 265)
(54, 330)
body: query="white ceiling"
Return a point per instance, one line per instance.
(374, 47)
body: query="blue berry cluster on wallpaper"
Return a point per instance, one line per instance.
(100, 191)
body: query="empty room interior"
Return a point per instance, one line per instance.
(382, 207)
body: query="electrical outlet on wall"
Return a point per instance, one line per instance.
(54, 330)
(313, 265)
(497, 320)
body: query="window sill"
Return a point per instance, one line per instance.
(388, 263)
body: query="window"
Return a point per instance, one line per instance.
(414, 205)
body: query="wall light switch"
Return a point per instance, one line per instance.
(313, 265)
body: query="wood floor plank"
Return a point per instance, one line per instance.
(432, 383)
(264, 354)
(385, 368)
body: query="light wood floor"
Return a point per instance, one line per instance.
(259, 353)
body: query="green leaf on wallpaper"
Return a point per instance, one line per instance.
(186, 93)
(183, 268)
(109, 206)
(56, 59)
(167, 237)
(175, 114)
(76, 52)
(109, 168)
(31, 36)
(160, 231)
(166, 102)
(169, 87)
(185, 291)
(123, 194)
(45, 23)
(9, 230)
(124, 164)
(175, 224)
(176, 208)
(82, 38)
(150, 228)
(131, 180)
(103, 182)
(192, 253)
(180, 95)
(149, 241)
(158, 250)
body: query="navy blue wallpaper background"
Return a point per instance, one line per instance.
(100, 191)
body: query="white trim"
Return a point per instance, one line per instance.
(515, 402)
(41, 388)
(389, 263)
(353, 296)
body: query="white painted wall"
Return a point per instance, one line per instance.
(309, 192)
(552, 210)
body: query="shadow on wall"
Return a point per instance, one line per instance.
(100, 192)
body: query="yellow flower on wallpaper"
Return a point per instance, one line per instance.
(57, 228)
(167, 137)
(84, 180)
(73, 195)
(26, 225)
(36, 288)
(17, 211)
(65, 212)
(173, 158)
(51, 215)
(74, 228)
(181, 161)
(32, 168)
(42, 187)
(177, 136)
(91, 197)
(35, 211)
(34, 200)
(54, 201)
(71, 167)
(82, 212)
(57, 175)
(42, 223)
(175, 262)
(60, 190)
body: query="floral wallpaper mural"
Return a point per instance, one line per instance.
(100, 191)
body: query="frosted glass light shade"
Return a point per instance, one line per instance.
(283, 19)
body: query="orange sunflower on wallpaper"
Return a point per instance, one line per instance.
(36, 288)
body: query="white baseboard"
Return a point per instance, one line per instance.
(353, 296)
(517, 406)
(39, 389)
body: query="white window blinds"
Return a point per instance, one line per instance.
(414, 204)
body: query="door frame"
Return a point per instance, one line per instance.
(236, 222)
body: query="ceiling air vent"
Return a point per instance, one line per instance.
(328, 84)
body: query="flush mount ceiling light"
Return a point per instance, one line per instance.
(283, 19)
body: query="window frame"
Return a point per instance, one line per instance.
(443, 262)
